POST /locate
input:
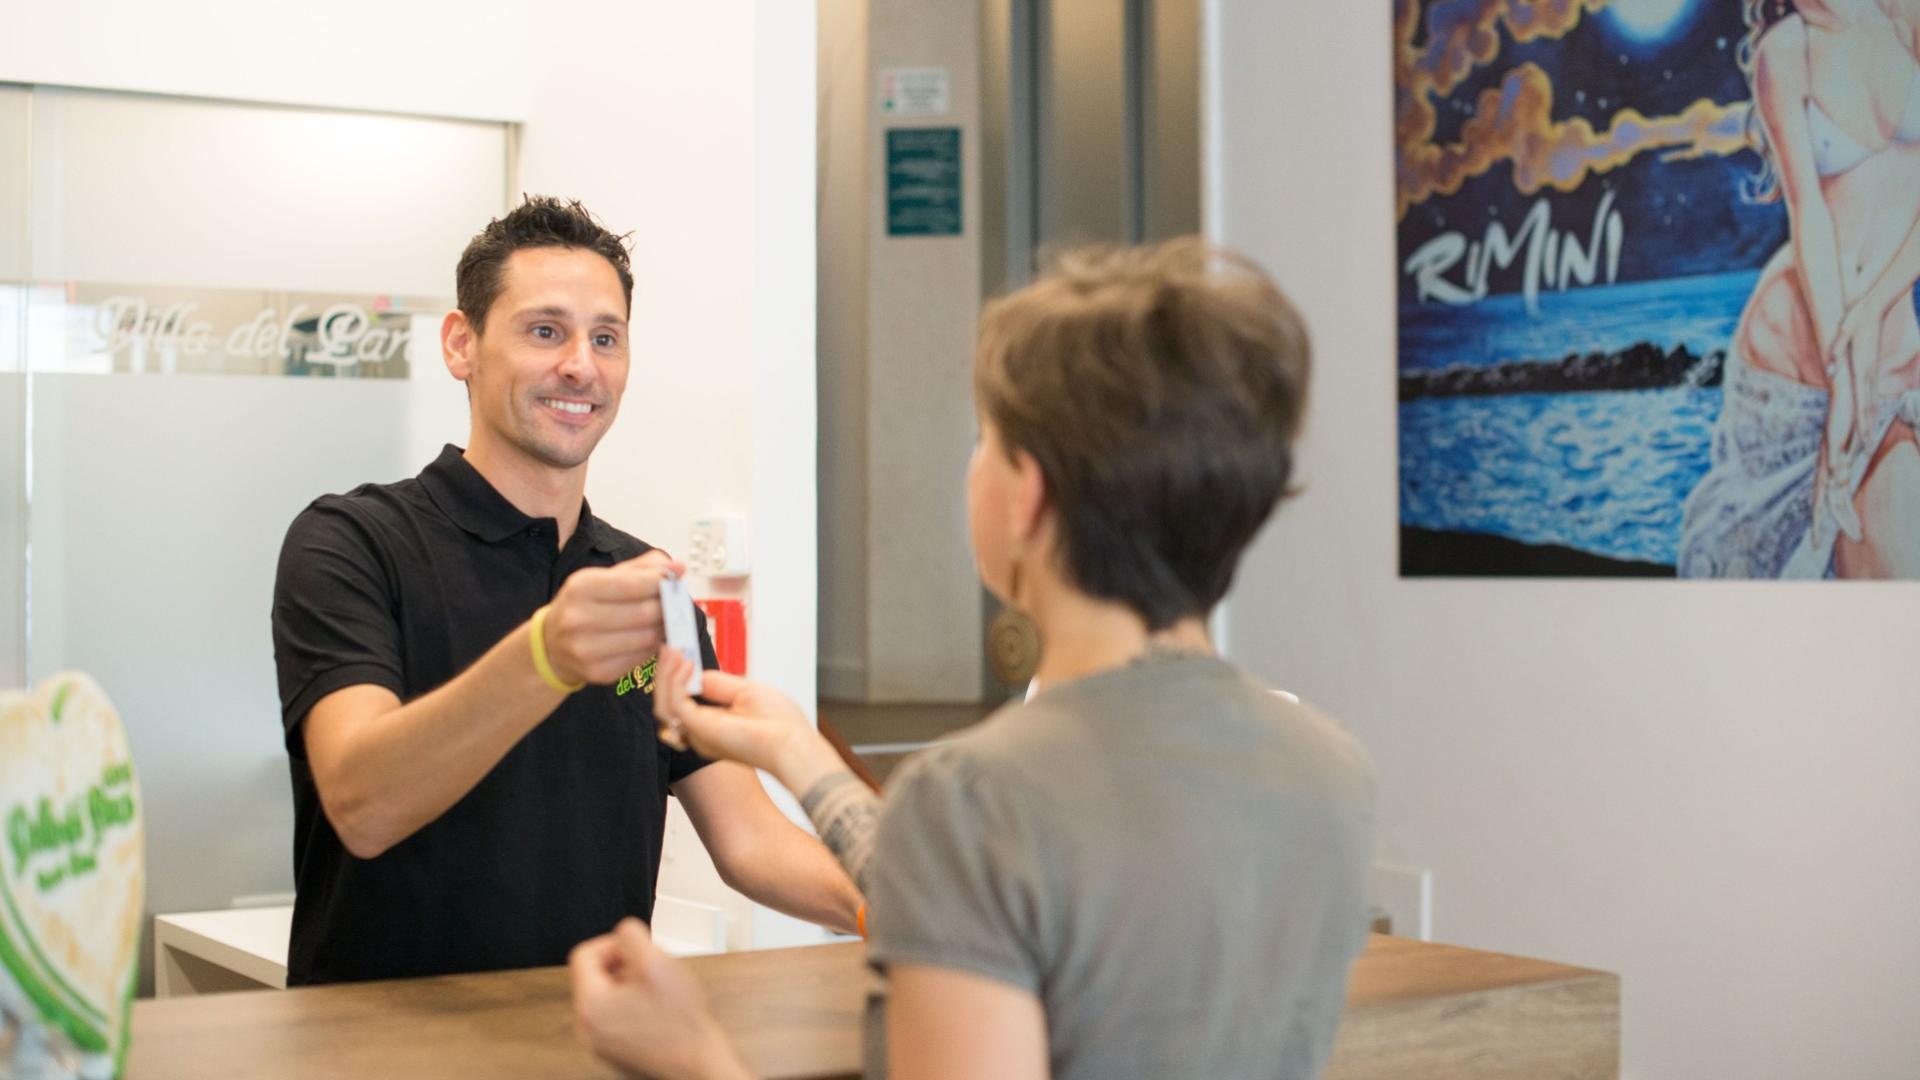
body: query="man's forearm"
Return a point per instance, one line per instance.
(761, 853)
(384, 776)
(793, 874)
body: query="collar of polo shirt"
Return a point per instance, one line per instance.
(461, 493)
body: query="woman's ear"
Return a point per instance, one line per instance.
(1027, 512)
(457, 341)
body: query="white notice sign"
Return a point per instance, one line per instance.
(914, 91)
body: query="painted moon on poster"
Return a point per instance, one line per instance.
(1648, 20)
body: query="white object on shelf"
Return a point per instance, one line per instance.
(717, 547)
(687, 927)
(1404, 895)
(206, 952)
(209, 952)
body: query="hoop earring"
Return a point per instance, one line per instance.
(1013, 638)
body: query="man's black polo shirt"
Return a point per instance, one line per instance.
(404, 586)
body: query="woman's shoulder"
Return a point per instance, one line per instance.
(992, 760)
(983, 748)
(1340, 758)
(1197, 709)
(965, 790)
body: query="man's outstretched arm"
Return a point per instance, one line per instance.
(385, 769)
(761, 853)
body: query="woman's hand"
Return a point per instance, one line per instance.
(752, 724)
(1858, 342)
(1841, 414)
(1833, 509)
(1853, 371)
(640, 1012)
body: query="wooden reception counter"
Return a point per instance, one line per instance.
(1413, 1009)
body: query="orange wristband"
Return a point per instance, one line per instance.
(860, 920)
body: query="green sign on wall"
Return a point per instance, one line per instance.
(923, 182)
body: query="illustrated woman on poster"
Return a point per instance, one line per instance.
(1815, 468)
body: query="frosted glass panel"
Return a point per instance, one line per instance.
(159, 191)
(229, 310)
(89, 328)
(158, 512)
(14, 102)
(13, 514)
(13, 397)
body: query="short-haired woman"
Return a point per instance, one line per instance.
(1155, 866)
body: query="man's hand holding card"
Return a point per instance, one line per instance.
(683, 637)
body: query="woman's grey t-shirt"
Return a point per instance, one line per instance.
(1170, 856)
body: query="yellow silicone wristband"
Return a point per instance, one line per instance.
(538, 639)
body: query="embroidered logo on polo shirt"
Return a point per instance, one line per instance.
(640, 678)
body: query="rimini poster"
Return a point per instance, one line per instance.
(1656, 286)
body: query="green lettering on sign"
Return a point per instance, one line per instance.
(66, 843)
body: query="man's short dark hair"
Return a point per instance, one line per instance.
(541, 221)
(1159, 390)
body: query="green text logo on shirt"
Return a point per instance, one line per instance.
(640, 678)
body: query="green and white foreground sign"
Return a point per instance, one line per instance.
(72, 878)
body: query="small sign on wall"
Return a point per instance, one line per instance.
(922, 91)
(923, 182)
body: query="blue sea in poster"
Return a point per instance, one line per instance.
(1606, 472)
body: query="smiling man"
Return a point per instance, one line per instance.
(465, 663)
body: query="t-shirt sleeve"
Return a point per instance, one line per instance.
(957, 879)
(684, 763)
(334, 623)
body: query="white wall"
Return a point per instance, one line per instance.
(1707, 788)
(697, 133)
(785, 414)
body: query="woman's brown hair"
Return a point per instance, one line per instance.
(1159, 390)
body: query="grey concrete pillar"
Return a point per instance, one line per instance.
(899, 600)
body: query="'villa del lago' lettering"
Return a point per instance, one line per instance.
(1553, 259)
(344, 333)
